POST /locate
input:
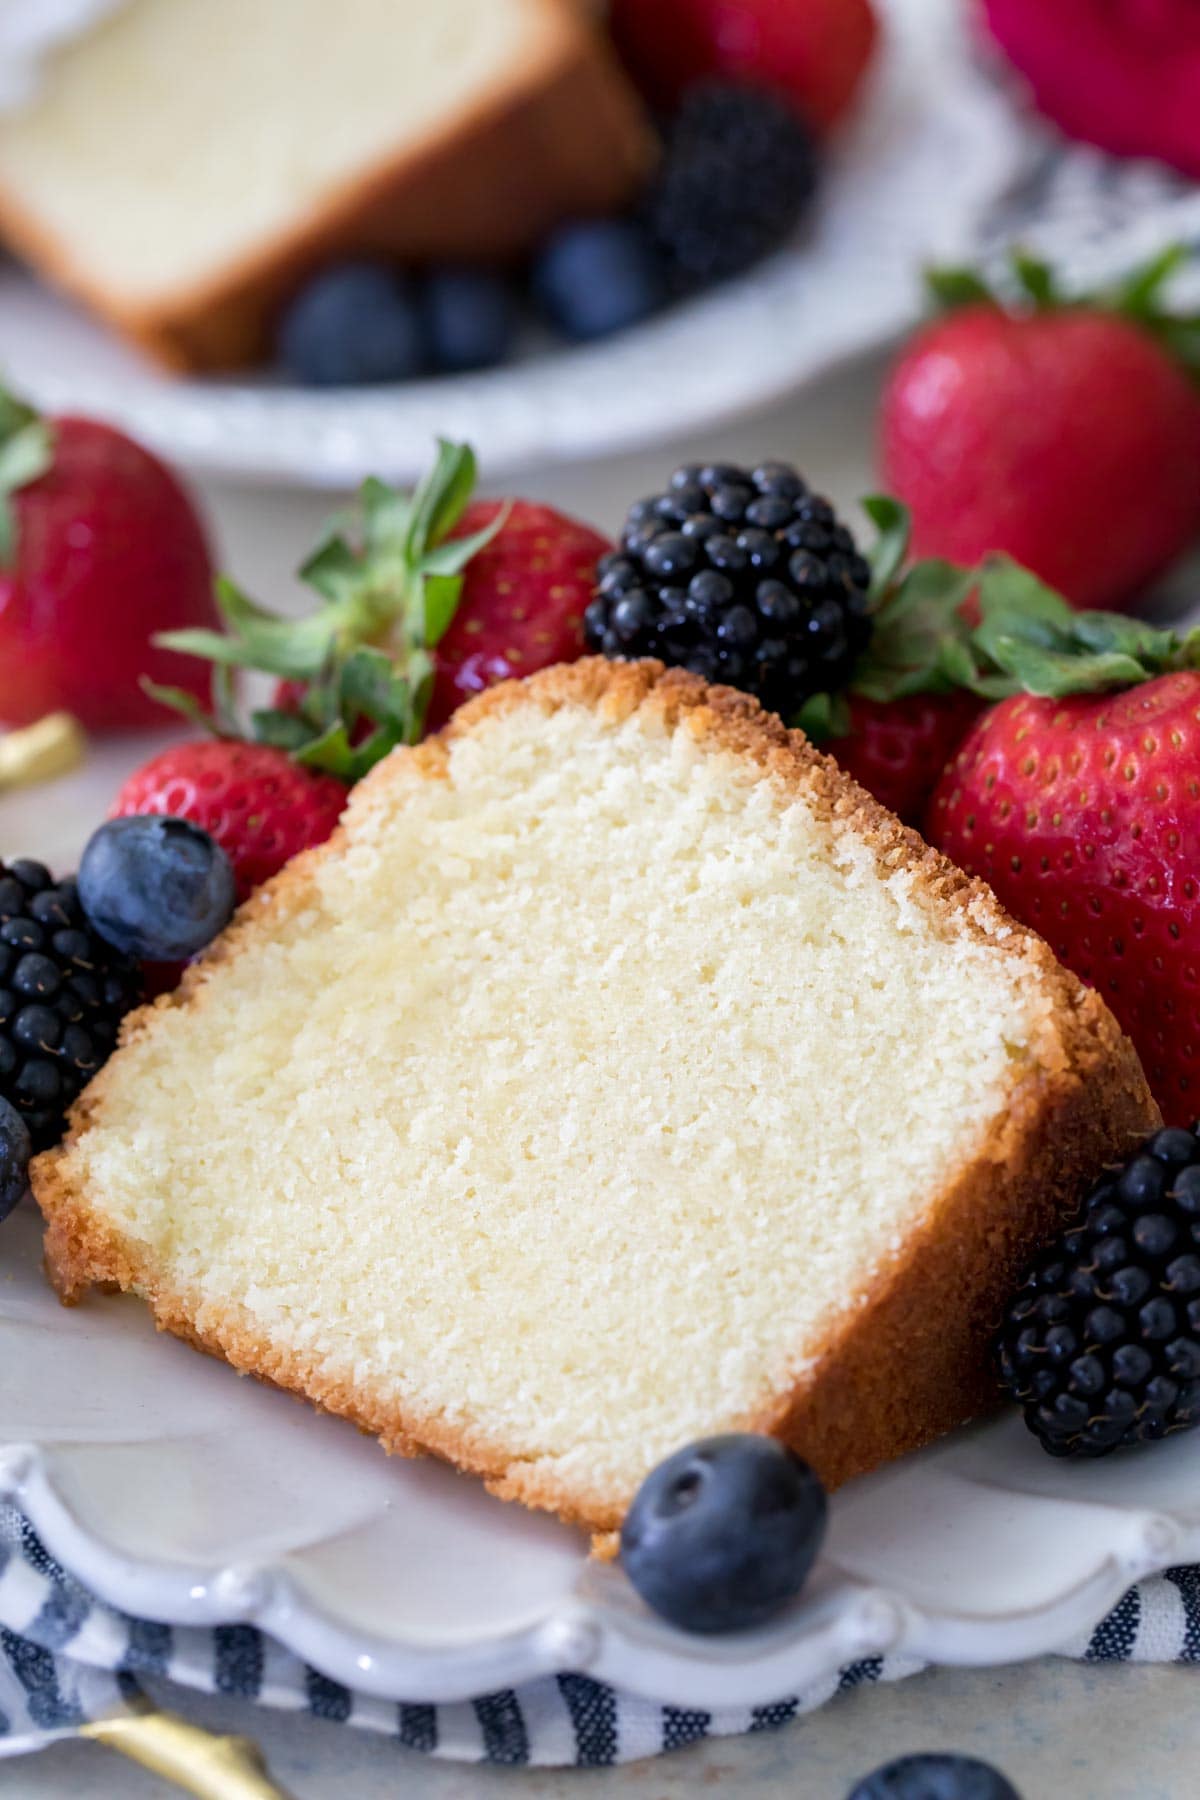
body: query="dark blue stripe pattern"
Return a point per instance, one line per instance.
(593, 1710)
(416, 1727)
(1113, 1638)
(605, 1725)
(505, 1739)
(237, 1660)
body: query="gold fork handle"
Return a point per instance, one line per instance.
(199, 1762)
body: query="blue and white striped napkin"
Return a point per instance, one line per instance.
(66, 1657)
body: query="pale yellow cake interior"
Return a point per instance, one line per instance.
(182, 135)
(567, 1105)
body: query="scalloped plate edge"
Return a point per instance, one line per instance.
(625, 1647)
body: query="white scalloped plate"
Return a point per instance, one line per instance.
(934, 145)
(181, 1493)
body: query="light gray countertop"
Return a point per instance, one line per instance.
(1061, 1731)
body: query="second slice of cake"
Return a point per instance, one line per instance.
(186, 163)
(618, 1074)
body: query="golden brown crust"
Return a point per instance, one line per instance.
(905, 1364)
(567, 138)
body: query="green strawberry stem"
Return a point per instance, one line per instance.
(1026, 638)
(1033, 286)
(26, 451)
(389, 579)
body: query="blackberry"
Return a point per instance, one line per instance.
(1102, 1344)
(63, 992)
(742, 576)
(738, 168)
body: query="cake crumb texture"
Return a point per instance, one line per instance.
(619, 1073)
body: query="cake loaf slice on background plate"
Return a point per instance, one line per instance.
(619, 1073)
(187, 162)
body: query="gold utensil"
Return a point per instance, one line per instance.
(54, 746)
(199, 1762)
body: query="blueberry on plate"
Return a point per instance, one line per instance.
(721, 1535)
(156, 888)
(935, 1778)
(597, 277)
(15, 1150)
(353, 324)
(470, 319)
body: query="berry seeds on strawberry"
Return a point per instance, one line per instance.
(1062, 431)
(99, 547)
(523, 597)
(259, 805)
(1078, 800)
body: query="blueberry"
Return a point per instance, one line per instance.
(597, 277)
(15, 1151)
(355, 323)
(470, 319)
(935, 1778)
(156, 888)
(723, 1533)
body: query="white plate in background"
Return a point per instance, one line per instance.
(933, 145)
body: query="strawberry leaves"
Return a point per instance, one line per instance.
(1042, 646)
(1023, 637)
(389, 579)
(1028, 285)
(26, 452)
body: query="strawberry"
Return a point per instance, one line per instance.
(1123, 74)
(814, 52)
(521, 607)
(425, 599)
(99, 546)
(523, 598)
(897, 749)
(355, 677)
(1067, 436)
(259, 805)
(1081, 806)
(922, 679)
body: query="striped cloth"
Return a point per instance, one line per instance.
(66, 1657)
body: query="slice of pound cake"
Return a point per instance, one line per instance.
(618, 1074)
(186, 162)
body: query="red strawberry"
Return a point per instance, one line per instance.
(523, 593)
(1066, 436)
(260, 806)
(897, 749)
(813, 51)
(1124, 74)
(1084, 815)
(522, 603)
(99, 547)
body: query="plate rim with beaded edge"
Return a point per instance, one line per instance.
(907, 184)
(178, 1492)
